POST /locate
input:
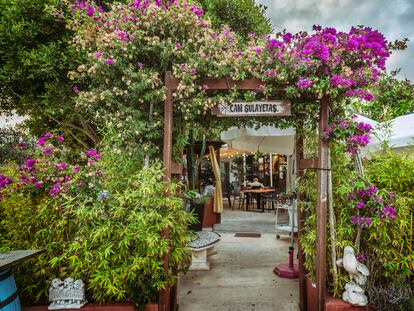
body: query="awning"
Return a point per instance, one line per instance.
(266, 139)
(399, 133)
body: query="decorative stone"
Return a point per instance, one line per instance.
(67, 294)
(358, 272)
(201, 248)
(354, 294)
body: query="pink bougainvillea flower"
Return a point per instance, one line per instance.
(5, 181)
(30, 162)
(56, 189)
(196, 11)
(304, 83)
(42, 140)
(60, 166)
(91, 152)
(60, 138)
(98, 54)
(109, 61)
(258, 50)
(360, 257)
(90, 10)
(47, 151)
(75, 89)
(287, 37)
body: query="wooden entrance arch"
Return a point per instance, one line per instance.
(167, 300)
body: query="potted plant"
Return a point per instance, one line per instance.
(194, 200)
(195, 203)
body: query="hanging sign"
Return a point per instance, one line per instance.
(252, 109)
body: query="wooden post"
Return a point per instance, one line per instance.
(165, 299)
(301, 222)
(321, 207)
(218, 161)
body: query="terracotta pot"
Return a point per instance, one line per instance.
(151, 307)
(210, 218)
(331, 304)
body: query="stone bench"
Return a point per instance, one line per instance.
(201, 248)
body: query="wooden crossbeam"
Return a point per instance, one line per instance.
(219, 83)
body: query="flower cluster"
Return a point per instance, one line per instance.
(127, 41)
(369, 203)
(4, 181)
(355, 134)
(361, 257)
(45, 170)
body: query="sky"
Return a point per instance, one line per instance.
(394, 18)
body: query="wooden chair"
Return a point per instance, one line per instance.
(238, 195)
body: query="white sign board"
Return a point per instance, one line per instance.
(250, 109)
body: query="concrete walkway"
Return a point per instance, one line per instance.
(241, 276)
(241, 221)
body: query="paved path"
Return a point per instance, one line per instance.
(241, 278)
(241, 221)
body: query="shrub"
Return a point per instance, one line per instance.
(33, 213)
(103, 226)
(386, 241)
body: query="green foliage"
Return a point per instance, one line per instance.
(193, 197)
(393, 98)
(193, 163)
(35, 56)
(308, 238)
(392, 243)
(118, 248)
(35, 222)
(207, 174)
(387, 244)
(243, 16)
(341, 173)
(29, 38)
(109, 232)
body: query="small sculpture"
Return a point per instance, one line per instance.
(358, 272)
(67, 294)
(354, 294)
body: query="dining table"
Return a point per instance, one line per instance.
(259, 192)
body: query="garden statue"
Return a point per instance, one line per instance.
(358, 272)
(67, 294)
(209, 191)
